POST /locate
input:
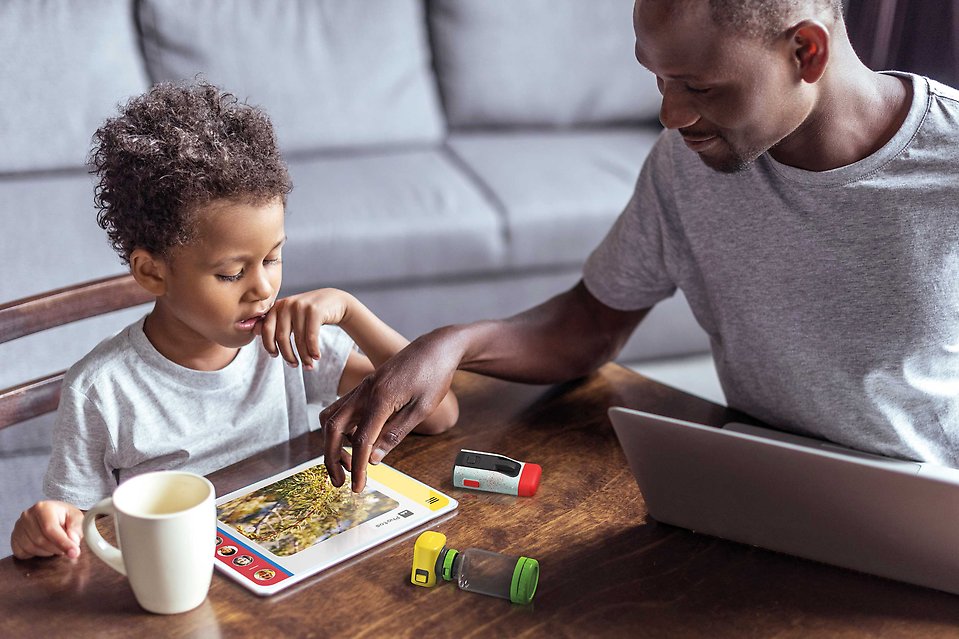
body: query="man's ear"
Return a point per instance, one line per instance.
(810, 46)
(149, 271)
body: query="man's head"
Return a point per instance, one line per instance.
(737, 76)
(171, 152)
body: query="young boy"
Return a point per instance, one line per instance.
(192, 193)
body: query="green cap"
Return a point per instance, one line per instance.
(525, 578)
(448, 558)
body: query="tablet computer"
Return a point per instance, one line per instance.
(282, 529)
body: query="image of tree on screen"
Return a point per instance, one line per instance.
(300, 511)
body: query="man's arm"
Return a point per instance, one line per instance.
(568, 336)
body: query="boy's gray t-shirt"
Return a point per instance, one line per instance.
(125, 410)
(831, 298)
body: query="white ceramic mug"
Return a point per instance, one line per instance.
(166, 525)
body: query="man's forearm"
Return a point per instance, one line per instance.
(566, 337)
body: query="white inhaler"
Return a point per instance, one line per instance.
(495, 473)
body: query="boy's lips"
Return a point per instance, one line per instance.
(248, 323)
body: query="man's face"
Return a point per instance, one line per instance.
(732, 97)
(219, 286)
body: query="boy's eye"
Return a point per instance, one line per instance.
(230, 278)
(693, 89)
(272, 260)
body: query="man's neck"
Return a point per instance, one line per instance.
(857, 113)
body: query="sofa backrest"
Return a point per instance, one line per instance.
(330, 73)
(539, 63)
(64, 65)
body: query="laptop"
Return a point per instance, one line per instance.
(797, 495)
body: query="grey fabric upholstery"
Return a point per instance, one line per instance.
(59, 76)
(539, 63)
(330, 73)
(388, 216)
(559, 191)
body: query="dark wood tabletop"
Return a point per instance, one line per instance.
(607, 569)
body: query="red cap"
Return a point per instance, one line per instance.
(529, 480)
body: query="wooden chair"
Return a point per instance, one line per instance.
(48, 310)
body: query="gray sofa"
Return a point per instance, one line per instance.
(452, 159)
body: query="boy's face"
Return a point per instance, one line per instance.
(220, 285)
(732, 97)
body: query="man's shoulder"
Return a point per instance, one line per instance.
(943, 91)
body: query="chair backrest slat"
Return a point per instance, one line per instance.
(48, 310)
(70, 304)
(31, 399)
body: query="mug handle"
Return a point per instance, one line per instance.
(106, 551)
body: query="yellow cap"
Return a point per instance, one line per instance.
(426, 552)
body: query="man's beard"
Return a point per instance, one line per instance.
(733, 162)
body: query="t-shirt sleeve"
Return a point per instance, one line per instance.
(628, 270)
(77, 472)
(323, 381)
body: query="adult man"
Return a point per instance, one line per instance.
(803, 203)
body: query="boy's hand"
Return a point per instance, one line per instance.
(301, 317)
(46, 529)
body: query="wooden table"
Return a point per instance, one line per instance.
(606, 569)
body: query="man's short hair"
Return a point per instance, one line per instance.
(173, 150)
(766, 18)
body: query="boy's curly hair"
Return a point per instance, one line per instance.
(172, 150)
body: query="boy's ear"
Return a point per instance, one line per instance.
(149, 271)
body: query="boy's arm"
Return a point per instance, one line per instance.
(303, 315)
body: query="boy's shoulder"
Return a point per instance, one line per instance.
(108, 359)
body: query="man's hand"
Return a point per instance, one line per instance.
(376, 415)
(302, 316)
(46, 529)
(569, 335)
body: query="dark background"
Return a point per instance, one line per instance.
(907, 35)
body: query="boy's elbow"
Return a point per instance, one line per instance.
(442, 419)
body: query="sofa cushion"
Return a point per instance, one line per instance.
(560, 190)
(51, 233)
(504, 62)
(65, 65)
(386, 217)
(330, 73)
(50, 225)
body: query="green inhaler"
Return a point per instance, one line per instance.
(475, 570)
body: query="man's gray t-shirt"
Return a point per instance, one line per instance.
(125, 410)
(831, 298)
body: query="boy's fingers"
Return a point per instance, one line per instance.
(25, 549)
(283, 331)
(53, 535)
(268, 333)
(301, 333)
(35, 541)
(311, 338)
(18, 550)
(74, 530)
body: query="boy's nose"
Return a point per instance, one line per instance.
(261, 287)
(675, 111)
